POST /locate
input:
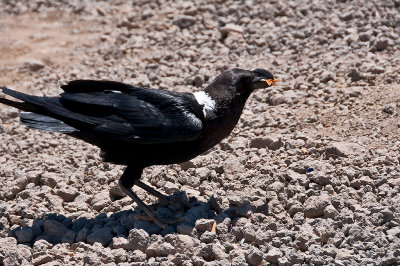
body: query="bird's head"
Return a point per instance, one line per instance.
(262, 78)
(242, 82)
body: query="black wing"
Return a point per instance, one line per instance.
(128, 113)
(117, 111)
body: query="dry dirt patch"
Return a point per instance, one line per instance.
(51, 37)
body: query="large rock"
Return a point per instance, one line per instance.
(54, 230)
(68, 237)
(25, 235)
(254, 256)
(82, 235)
(160, 249)
(102, 235)
(183, 243)
(67, 194)
(204, 224)
(7, 245)
(343, 149)
(41, 246)
(208, 237)
(315, 205)
(273, 255)
(101, 200)
(272, 142)
(184, 229)
(214, 251)
(138, 239)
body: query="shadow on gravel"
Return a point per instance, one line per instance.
(198, 216)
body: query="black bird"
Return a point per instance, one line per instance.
(140, 127)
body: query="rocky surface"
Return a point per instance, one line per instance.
(309, 176)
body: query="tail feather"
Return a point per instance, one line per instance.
(34, 115)
(20, 105)
(43, 122)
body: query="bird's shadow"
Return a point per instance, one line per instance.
(57, 228)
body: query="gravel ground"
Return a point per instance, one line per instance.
(309, 176)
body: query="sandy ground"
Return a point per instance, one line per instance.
(309, 176)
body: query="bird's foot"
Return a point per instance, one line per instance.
(161, 222)
(151, 216)
(177, 200)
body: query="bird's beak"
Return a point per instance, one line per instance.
(271, 82)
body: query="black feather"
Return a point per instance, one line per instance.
(47, 123)
(135, 115)
(95, 86)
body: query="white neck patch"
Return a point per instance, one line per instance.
(205, 100)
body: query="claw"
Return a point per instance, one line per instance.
(172, 221)
(161, 222)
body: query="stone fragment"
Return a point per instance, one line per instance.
(7, 245)
(228, 28)
(254, 256)
(389, 109)
(381, 44)
(101, 235)
(364, 37)
(348, 16)
(327, 76)
(43, 260)
(68, 237)
(249, 232)
(54, 230)
(214, 251)
(49, 179)
(138, 239)
(67, 194)
(270, 142)
(355, 75)
(315, 205)
(278, 99)
(101, 200)
(187, 165)
(120, 255)
(82, 235)
(25, 235)
(31, 65)
(170, 187)
(343, 149)
(41, 246)
(138, 256)
(295, 208)
(181, 259)
(208, 237)
(150, 227)
(184, 229)
(184, 21)
(160, 249)
(183, 243)
(120, 242)
(273, 255)
(330, 212)
(21, 256)
(204, 225)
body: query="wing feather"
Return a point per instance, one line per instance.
(138, 114)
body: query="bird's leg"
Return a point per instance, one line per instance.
(143, 206)
(127, 181)
(161, 196)
(149, 189)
